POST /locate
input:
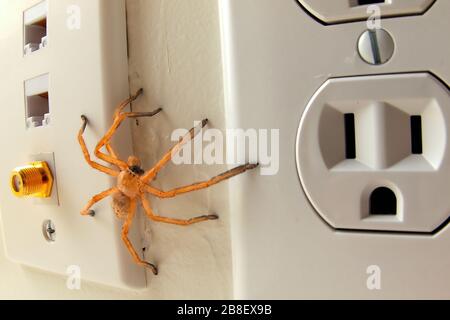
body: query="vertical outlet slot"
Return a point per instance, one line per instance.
(383, 202)
(350, 138)
(416, 135)
(37, 113)
(35, 28)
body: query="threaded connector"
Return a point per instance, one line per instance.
(33, 180)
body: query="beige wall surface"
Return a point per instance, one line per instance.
(174, 50)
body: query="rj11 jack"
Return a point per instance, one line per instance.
(32, 180)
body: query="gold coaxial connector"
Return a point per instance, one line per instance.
(33, 180)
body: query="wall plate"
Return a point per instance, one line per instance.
(339, 11)
(276, 57)
(83, 50)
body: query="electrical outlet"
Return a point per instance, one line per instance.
(371, 151)
(82, 69)
(371, 142)
(337, 11)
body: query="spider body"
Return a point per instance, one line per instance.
(120, 204)
(129, 182)
(133, 183)
(129, 188)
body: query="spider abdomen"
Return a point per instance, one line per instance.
(121, 205)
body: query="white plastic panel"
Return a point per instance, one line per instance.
(341, 189)
(336, 11)
(86, 64)
(276, 57)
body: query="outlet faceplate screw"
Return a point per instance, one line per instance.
(376, 46)
(49, 231)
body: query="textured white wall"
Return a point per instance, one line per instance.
(175, 56)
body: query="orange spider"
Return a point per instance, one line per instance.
(133, 182)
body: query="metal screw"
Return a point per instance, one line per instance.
(49, 231)
(376, 46)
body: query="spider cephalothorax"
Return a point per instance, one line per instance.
(133, 183)
(134, 166)
(136, 170)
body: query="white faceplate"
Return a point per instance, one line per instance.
(276, 58)
(336, 11)
(84, 54)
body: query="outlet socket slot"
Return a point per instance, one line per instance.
(357, 3)
(416, 135)
(383, 201)
(350, 140)
(35, 28)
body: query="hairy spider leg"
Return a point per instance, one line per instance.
(111, 151)
(199, 185)
(125, 230)
(86, 154)
(97, 198)
(179, 222)
(107, 137)
(125, 103)
(151, 174)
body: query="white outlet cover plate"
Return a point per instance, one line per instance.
(350, 10)
(276, 56)
(88, 74)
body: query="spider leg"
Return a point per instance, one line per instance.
(97, 198)
(111, 151)
(116, 124)
(200, 185)
(125, 103)
(86, 154)
(178, 222)
(150, 175)
(127, 242)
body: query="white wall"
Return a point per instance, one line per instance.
(175, 57)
